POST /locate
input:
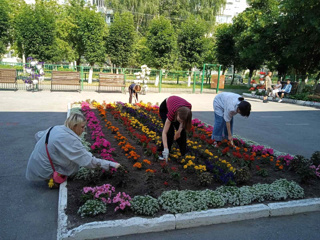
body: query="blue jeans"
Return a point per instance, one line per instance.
(220, 128)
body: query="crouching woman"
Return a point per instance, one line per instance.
(225, 106)
(63, 145)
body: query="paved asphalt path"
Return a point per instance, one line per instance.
(29, 211)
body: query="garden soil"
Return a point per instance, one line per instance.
(135, 182)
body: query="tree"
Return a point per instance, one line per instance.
(120, 39)
(35, 31)
(162, 42)
(175, 10)
(298, 25)
(225, 45)
(191, 42)
(4, 26)
(93, 30)
(249, 33)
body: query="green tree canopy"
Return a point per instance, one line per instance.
(120, 39)
(35, 31)
(162, 42)
(191, 42)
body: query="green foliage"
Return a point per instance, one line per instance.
(185, 201)
(301, 166)
(90, 175)
(35, 31)
(315, 158)
(145, 205)
(191, 42)
(263, 173)
(92, 208)
(182, 201)
(176, 10)
(242, 175)
(225, 45)
(120, 39)
(205, 178)
(4, 26)
(161, 40)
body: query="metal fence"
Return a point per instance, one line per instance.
(168, 81)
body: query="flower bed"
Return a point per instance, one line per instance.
(205, 177)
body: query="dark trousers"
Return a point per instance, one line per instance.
(131, 92)
(182, 141)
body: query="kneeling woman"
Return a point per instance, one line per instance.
(63, 144)
(225, 106)
(176, 114)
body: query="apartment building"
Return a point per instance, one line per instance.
(232, 9)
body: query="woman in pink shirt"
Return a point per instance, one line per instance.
(176, 114)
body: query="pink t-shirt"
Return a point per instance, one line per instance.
(173, 103)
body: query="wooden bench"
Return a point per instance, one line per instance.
(65, 78)
(111, 80)
(294, 88)
(9, 76)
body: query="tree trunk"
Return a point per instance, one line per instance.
(316, 80)
(250, 76)
(232, 76)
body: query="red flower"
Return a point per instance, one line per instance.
(174, 169)
(224, 151)
(166, 183)
(258, 168)
(185, 178)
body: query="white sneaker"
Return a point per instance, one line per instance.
(280, 100)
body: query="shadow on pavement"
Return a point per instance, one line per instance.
(28, 211)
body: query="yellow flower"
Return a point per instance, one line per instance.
(50, 184)
(224, 161)
(185, 166)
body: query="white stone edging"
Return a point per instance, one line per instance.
(288, 100)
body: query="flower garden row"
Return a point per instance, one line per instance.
(227, 165)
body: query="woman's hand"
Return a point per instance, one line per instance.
(230, 138)
(117, 166)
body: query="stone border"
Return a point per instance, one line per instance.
(288, 100)
(138, 225)
(166, 222)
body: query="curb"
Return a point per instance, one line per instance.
(138, 225)
(288, 100)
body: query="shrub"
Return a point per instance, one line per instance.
(182, 201)
(145, 205)
(242, 175)
(205, 178)
(92, 208)
(301, 166)
(213, 199)
(91, 175)
(315, 158)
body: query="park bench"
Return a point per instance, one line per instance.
(111, 80)
(8, 77)
(62, 78)
(294, 88)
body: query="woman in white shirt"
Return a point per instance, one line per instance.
(225, 106)
(65, 149)
(276, 89)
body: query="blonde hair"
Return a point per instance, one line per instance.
(74, 119)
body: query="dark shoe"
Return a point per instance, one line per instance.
(265, 101)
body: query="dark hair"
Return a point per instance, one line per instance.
(244, 107)
(185, 115)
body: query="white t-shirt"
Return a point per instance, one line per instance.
(226, 105)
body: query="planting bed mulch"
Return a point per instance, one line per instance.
(135, 182)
